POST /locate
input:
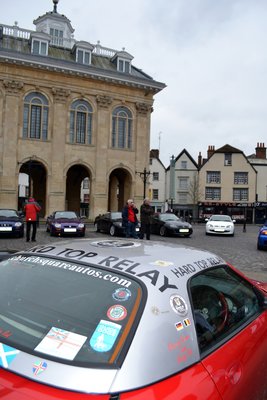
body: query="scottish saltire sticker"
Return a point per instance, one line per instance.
(104, 336)
(61, 343)
(39, 367)
(7, 355)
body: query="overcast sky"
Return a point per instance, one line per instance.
(211, 54)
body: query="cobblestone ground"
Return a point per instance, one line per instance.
(240, 250)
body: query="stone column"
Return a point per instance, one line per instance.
(9, 141)
(99, 188)
(142, 145)
(56, 185)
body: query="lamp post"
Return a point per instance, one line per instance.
(144, 175)
(172, 180)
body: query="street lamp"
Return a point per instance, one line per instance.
(172, 180)
(144, 175)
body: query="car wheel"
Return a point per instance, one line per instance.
(259, 246)
(112, 230)
(162, 231)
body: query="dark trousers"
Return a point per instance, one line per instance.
(145, 230)
(130, 230)
(30, 224)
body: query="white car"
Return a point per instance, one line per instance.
(219, 224)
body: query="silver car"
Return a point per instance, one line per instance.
(95, 319)
(219, 224)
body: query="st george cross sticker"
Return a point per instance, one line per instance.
(7, 355)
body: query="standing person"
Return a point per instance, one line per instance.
(129, 219)
(146, 211)
(31, 210)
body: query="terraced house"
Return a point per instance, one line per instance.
(71, 112)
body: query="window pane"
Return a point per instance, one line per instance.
(43, 48)
(69, 293)
(80, 127)
(80, 57)
(222, 303)
(35, 128)
(213, 177)
(35, 47)
(86, 58)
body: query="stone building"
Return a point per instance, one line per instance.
(71, 110)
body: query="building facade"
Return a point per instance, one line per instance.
(70, 111)
(227, 184)
(157, 182)
(259, 162)
(182, 185)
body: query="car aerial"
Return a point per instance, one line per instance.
(111, 222)
(262, 238)
(11, 223)
(121, 319)
(219, 224)
(165, 224)
(62, 223)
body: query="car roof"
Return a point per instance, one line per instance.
(164, 269)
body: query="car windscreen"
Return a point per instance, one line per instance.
(73, 313)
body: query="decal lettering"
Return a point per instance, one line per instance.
(166, 285)
(184, 270)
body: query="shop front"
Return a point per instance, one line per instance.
(238, 211)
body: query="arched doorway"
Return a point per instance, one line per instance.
(32, 183)
(119, 189)
(78, 190)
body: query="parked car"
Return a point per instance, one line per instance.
(62, 223)
(11, 223)
(219, 224)
(262, 238)
(165, 224)
(128, 319)
(111, 222)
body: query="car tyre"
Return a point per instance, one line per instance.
(112, 230)
(259, 247)
(162, 231)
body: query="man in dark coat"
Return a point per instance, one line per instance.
(146, 211)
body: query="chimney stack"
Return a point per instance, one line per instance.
(211, 150)
(199, 159)
(261, 151)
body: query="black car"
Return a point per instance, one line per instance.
(165, 224)
(11, 223)
(63, 223)
(111, 222)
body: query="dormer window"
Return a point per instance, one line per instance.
(122, 60)
(83, 57)
(83, 52)
(124, 65)
(39, 43)
(39, 47)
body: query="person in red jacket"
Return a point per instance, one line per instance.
(31, 209)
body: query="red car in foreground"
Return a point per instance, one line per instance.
(129, 320)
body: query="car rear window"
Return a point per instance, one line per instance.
(73, 313)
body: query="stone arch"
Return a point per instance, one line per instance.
(75, 175)
(119, 188)
(35, 185)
